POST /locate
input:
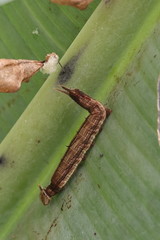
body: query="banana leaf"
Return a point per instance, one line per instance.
(31, 30)
(115, 192)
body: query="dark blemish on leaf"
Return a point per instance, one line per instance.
(69, 206)
(62, 207)
(66, 203)
(14, 237)
(2, 160)
(155, 56)
(80, 175)
(37, 233)
(53, 224)
(8, 104)
(67, 70)
(38, 141)
(107, 1)
(101, 155)
(12, 164)
(98, 186)
(79, 179)
(129, 74)
(95, 233)
(11, 102)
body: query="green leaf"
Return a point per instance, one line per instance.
(30, 30)
(115, 193)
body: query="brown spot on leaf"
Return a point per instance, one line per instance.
(12, 164)
(67, 70)
(107, 1)
(66, 203)
(2, 160)
(53, 224)
(129, 74)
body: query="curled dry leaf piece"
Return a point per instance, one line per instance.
(13, 72)
(81, 4)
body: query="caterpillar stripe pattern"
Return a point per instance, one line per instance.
(80, 144)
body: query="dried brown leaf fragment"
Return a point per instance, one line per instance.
(81, 4)
(15, 71)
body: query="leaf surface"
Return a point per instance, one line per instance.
(115, 193)
(31, 30)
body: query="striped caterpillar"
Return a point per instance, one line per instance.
(80, 144)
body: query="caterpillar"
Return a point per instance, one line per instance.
(80, 144)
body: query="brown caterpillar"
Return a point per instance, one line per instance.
(80, 144)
